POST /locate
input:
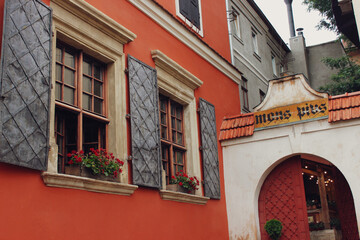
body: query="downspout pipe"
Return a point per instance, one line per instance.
(290, 17)
(228, 16)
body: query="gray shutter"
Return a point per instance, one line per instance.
(25, 83)
(184, 6)
(145, 133)
(209, 149)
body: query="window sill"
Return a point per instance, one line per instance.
(82, 183)
(257, 56)
(238, 39)
(183, 197)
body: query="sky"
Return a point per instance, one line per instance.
(276, 13)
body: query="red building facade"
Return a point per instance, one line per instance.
(149, 81)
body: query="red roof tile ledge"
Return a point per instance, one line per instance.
(237, 126)
(344, 107)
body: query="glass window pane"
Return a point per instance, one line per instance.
(69, 77)
(178, 125)
(173, 126)
(174, 136)
(163, 132)
(86, 102)
(163, 118)
(58, 91)
(87, 68)
(98, 72)
(69, 59)
(58, 73)
(179, 138)
(179, 156)
(163, 105)
(69, 95)
(98, 105)
(98, 88)
(87, 84)
(178, 112)
(179, 168)
(172, 110)
(58, 55)
(59, 142)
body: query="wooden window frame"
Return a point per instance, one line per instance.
(172, 146)
(77, 108)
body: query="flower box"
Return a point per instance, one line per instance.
(73, 170)
(87, 172)
(178, 188)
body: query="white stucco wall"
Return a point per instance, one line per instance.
(248, 161)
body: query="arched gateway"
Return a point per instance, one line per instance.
(296, 158)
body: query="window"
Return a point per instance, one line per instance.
(273, 64)
(190, 12)
(79, 83)
(244, 93)
(237, 26)
(254, 42)
(89, 94)
(281, 68)
(172, 137)
(262, 95)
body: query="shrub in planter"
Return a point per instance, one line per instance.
(190, 184)
(98, 161)
(273, 227)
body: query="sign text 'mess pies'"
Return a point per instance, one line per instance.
(293, 113)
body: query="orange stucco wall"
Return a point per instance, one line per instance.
(30, 210)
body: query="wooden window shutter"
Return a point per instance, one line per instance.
(145, 132)
(184, 6)
(209, 149)
(25, 84)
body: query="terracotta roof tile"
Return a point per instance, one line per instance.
(344, 107)
(237, 126)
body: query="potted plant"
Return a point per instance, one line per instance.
(273, 227)
(98, 163)
(181, 182)
(316, 226)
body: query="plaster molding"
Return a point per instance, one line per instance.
(176, 29)
(250, 66)
(174, 69)
(183, 197)
(96, 18)
(92, 185)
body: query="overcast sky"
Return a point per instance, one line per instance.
(276, 13)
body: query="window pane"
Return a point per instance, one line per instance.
(178, 112)
(86, 102)
(174, 136)
(58, 91)
(163, 105)
(178, 125)
(179, 168)
(172, 110)
(98, 105)
(69, 77)
(163, 118)
(69, 59)
(59, 142)
(173, 126)
(87, 68)
(98, 88)
(58, 55)
(69, 95)
(98, 72)
(179, 138)
(58, 72)
(87, 84)
(163, 132)
(179, 158)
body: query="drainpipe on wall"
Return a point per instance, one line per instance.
(228, 17)
(290, 17)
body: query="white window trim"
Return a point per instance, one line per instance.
(237, 24)
(187, 22)
(177, 83)
(273, 64)
(84, 27)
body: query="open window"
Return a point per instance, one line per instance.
(190, 12)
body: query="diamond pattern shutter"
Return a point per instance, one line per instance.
(209, 150)
(195, 13)
(145, 133)
(25, 84)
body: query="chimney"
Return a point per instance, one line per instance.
(290, 17)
